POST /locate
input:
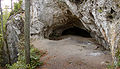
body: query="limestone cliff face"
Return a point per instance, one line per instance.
(99, 17)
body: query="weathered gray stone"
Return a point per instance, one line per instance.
(99, 17)
(14, 28)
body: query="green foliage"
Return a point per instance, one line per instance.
(115, 66)
(17, 6)
(35, 57)
(109, 67)
(118, 57)
(35, 60)
(5, 17)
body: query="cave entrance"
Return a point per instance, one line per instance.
(76, 32)
(72, 31)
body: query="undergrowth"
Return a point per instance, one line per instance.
(115, 66)
(17, 8)
(118, 58)
(35, 59)
(20, 64)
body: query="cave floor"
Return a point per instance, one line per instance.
(73, 52)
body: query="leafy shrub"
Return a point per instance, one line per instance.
(118, 57)
(5, 17)
(20, 64)
(17, 6)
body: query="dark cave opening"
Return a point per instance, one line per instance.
(73, 31)
(76, 32)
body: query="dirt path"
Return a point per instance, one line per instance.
(73, 53)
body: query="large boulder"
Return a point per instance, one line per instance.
(14, 29)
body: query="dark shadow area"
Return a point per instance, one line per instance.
(77, 32)
(74, 31)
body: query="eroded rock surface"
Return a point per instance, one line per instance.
(14, 28)
(101, 18)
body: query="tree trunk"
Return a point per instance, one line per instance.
(11, 5)
(27, 31)
(0, 20)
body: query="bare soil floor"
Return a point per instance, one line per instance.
(73, 52)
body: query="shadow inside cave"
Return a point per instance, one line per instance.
(72, 31)
(76, 32)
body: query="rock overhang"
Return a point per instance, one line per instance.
(99, 17)
(96, 16)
